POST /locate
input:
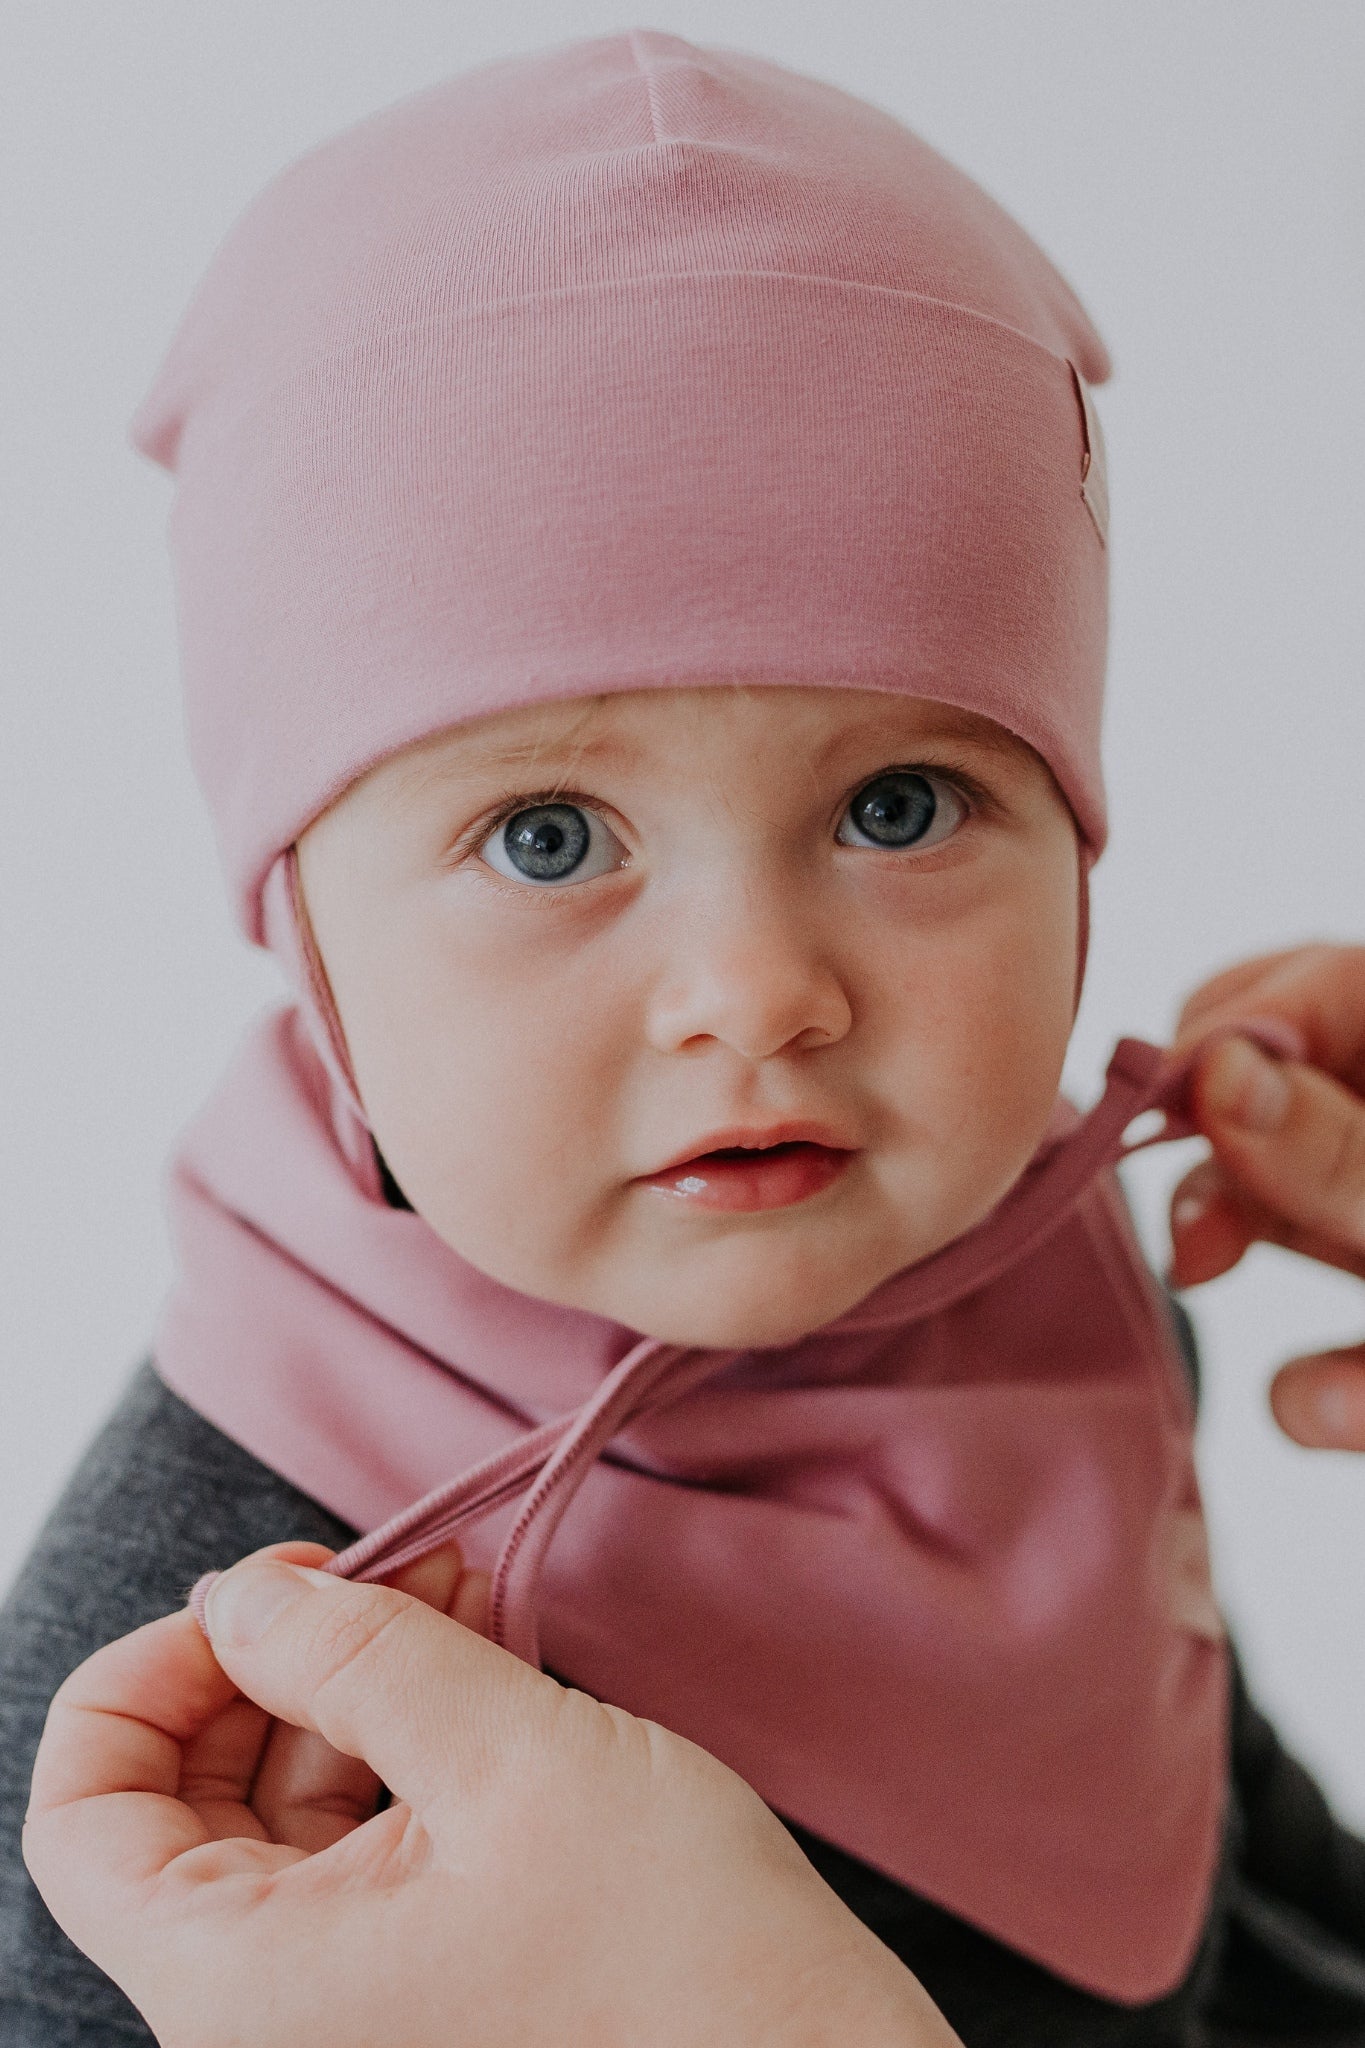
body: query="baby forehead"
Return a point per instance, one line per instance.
(663, 728)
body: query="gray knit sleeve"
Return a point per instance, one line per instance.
(160, 1497)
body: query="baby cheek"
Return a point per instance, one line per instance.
(1026, 1009)
(505, 1119)
(984, 1018)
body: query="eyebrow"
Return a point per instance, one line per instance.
(966, 727)
(477, 754)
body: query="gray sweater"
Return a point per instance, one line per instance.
(162, 1496)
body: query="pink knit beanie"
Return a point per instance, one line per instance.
(621, 365)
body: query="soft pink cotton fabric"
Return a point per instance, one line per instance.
(620, 365)
(632, 364)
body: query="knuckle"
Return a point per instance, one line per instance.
(1344, 1175)
(351, 1638)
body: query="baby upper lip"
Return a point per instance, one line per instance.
(760, 1137)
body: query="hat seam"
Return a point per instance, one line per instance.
(647, 79)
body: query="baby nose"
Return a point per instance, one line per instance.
(760, 984)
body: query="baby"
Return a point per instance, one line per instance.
(641, 540)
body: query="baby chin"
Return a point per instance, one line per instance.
(734, 1272)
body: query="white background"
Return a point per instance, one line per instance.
(1195, 166)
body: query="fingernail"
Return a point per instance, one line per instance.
(241, 1604)
(1334, 1412)
(1245, 1088)
(1186, 1210)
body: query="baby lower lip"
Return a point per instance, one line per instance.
(736, 1179)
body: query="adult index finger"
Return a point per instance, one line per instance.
(1293, 1140)
(431, 1707)
(1320, 989)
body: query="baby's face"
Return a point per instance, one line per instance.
(705, 1010)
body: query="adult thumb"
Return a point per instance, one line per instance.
(1291, 1138)
(431, 1707)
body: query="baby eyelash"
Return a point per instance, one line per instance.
(977, 796)
(509, 803)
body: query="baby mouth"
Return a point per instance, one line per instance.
(746, 1177)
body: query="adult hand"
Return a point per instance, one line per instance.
(551, 1869)
(1288, 1162)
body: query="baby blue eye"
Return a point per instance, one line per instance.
(902, 808)
(551, 843)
